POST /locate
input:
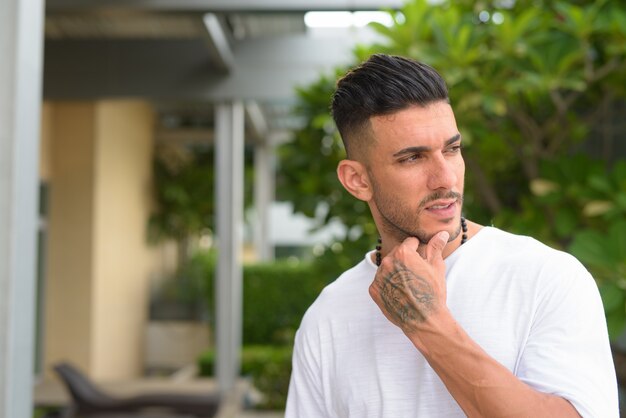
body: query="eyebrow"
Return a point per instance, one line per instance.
(414, 150)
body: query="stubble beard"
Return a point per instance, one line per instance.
(400, 223)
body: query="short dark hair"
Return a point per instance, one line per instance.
(381, 85)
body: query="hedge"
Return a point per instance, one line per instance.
(269, 367)
(275, 296)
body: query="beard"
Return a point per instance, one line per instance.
(401, 222)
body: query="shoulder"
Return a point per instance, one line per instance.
(527, 252)
(525, 262)
(568, 324)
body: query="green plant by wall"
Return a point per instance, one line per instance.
(184, 195)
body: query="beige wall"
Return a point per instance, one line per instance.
(98, 259)
(70, 245)
(122, 203)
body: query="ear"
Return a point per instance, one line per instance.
(353, 176)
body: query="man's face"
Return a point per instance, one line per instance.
(416, 172)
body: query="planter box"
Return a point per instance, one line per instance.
(171, 345)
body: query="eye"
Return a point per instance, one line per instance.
(411, 158)
(455, 149)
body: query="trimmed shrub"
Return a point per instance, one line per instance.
(275, 296)
(269, 367)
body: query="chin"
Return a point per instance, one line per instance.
(451, 225)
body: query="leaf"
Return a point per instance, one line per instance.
(619, 173)
(600, 183)
(617, 240)
(543, 187)
(620, 198)
(591, 248)
(565, 223)
(597, 207)
(612, 296)
(615, 322)
(576, 20)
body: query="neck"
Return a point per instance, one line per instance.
(386, 244)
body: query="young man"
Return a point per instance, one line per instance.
(446, 318)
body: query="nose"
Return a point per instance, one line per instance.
(442, 173)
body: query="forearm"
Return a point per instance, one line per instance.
(480, 385)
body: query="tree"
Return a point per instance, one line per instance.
(528, 81)
(184, 197)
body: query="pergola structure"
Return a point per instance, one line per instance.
(238, 60)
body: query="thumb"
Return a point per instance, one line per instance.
(436, 245)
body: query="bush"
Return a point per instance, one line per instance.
(275, 296)
(268, 366)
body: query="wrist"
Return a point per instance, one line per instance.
(435, 333)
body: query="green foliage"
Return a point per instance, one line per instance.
(570, 194)
(604, 252)
(527, 82)
(585, 205)
(268, 366)
(184, 179)
(275, 295)
(183, 191)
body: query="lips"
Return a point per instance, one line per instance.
(442, 209)
(441, 204)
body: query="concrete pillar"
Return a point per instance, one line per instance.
(229, 163)
(99, 261)
(264, 184)
(21, 36)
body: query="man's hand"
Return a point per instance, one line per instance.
(409, 288)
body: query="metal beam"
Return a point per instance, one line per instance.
(229, 162)
(21, 34)
(256, 122)
(265, 69)
(216, 6)
(264, 184)
(221, 55)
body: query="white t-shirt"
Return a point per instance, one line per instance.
(535, 310)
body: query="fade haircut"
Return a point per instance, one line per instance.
(381, 85)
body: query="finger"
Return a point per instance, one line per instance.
(436, 245)
(410, 245)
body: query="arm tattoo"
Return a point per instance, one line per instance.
(396, 284)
